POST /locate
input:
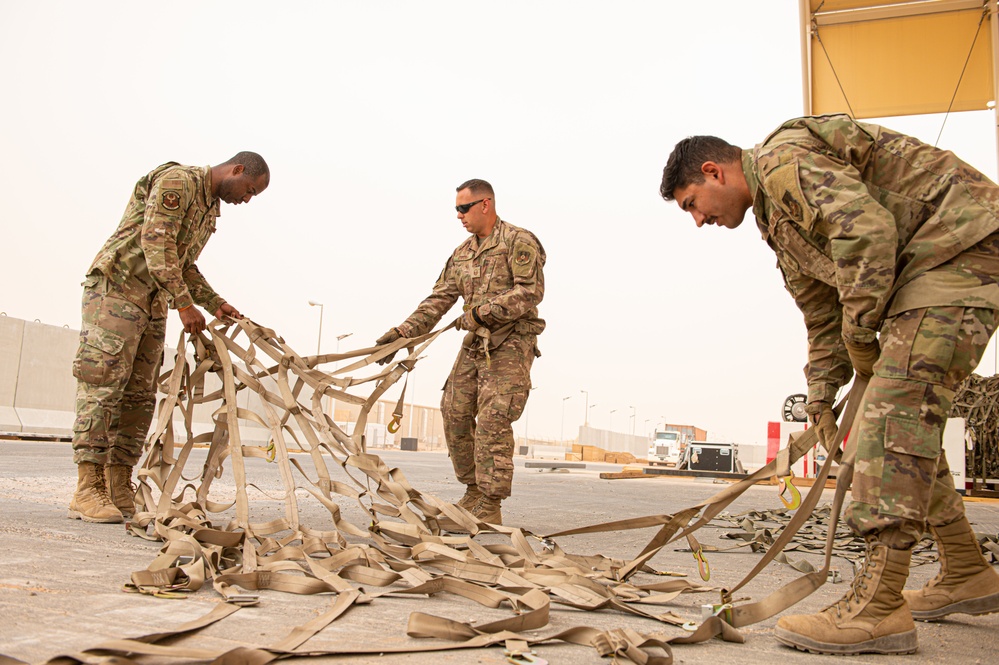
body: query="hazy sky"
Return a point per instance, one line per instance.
(370, 114)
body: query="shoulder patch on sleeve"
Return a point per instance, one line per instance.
(170, 200)
(524, 257)
(784, 189)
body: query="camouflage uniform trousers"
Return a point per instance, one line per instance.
(482, 399)
(121, 348)
(901, 481)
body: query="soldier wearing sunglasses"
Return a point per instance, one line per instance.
(498, 274)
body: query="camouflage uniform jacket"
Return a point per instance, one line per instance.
(867, 223)
(150, 258)
(500, 275)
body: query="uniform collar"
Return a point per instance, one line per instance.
(212, 201)
(490, 240)
(748, 168)
(755, 191)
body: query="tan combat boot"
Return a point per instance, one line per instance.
(472, 496)
(120, 488)
(488, 510)
(966, 583)
(91, 502)
(871, 618)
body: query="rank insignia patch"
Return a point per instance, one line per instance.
(171, 200)
(792, 206)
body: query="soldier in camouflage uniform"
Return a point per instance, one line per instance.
(145, 267)
(890, 248)
(498, 274)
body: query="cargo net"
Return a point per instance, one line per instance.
(404, 542)
(977, 401)
(330, 517)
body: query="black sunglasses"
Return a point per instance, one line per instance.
(465, 207)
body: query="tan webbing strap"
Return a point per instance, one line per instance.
(714, 505)
(711, 507)
(790, 594)
(403, 552)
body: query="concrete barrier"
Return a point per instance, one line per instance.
(11, 334)
(38, 394)
(46, 390)
(548, 452)
(618, 442)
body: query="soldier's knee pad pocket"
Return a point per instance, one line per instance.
(509, 405)
(98, 360)
(82, 424)
(912, 449)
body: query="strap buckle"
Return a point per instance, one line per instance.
(721, 610)
(243, 599)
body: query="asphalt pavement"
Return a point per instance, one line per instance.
(61, 580)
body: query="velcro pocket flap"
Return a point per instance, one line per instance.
(909, 436)
(106, 340)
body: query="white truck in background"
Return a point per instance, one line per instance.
(666, 449)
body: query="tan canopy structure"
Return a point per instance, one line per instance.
(882, 58)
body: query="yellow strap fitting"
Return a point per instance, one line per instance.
(787, 485)
(703, 567)
(271, 452)
(393, 426)
(724, 612)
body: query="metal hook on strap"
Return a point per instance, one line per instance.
(271, 452)
(393, 425)
(703, 567)
(787, 485)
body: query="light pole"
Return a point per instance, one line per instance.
(313, 303)
(610, 425)
(586, 408)
(632, 420)
(338, 338)
(646, 426)
(561, 435)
